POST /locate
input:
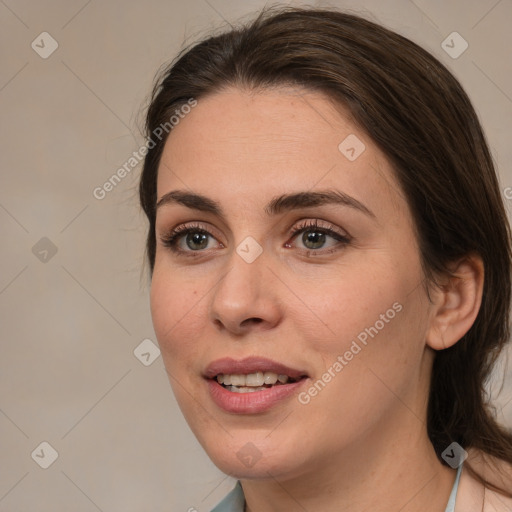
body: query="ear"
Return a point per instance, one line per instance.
(456, 302)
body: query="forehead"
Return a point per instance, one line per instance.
(248, 146)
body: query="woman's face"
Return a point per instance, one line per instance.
(346, 309)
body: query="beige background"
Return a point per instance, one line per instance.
(71, 320)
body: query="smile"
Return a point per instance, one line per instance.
(240, 383)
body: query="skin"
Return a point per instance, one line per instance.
(361, 443)
(473, 496)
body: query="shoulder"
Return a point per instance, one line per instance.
(472, 495)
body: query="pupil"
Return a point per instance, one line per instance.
(314, 237)
(197, 238)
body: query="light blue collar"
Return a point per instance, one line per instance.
(453, 496)
(235, 500)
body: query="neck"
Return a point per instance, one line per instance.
(393, 469)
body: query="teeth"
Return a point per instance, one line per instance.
(245, 389)
(238, 380)
(269, 378)
(253, 380)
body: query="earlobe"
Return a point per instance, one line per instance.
(456, 304)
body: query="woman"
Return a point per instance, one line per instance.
(330, 261)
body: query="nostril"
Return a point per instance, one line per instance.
(252, 320)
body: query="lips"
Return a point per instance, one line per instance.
(251, 365)
(260, 399)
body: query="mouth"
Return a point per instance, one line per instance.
(258, 381)
(251, 385)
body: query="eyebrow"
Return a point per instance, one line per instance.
(277, 205)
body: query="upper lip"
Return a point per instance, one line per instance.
(248, 365)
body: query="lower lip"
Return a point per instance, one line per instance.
(251, 402)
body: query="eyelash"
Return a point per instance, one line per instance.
(171, 239)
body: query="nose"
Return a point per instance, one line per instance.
(245, 298)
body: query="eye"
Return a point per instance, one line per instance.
(192, 236)
(315, 236)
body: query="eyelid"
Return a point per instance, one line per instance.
(306, 224)
(183, 228)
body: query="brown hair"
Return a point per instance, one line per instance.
(418, 114)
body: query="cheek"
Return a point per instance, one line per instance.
(376, 355)
(373, 321)
(350, 306)
(177, 310)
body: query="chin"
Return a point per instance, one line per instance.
(255, 460)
